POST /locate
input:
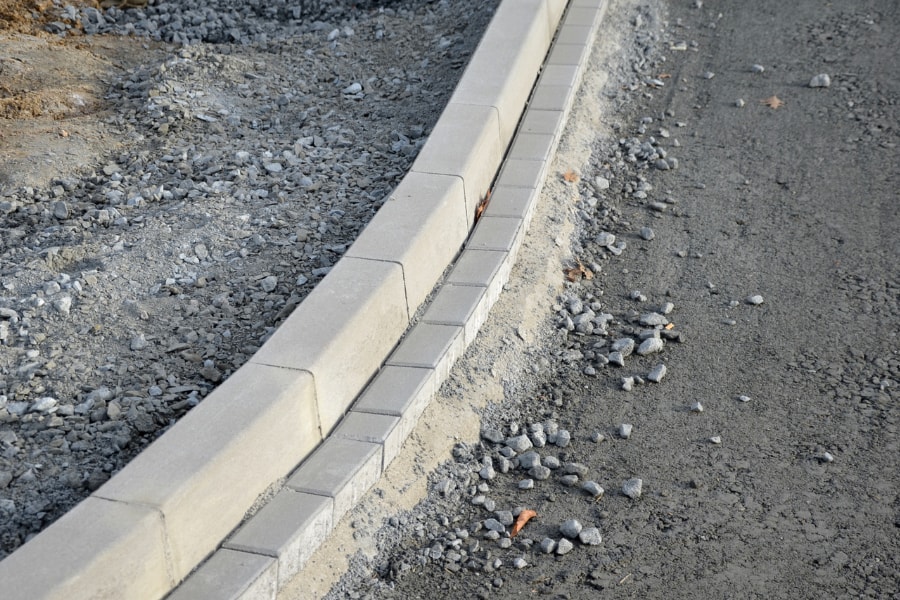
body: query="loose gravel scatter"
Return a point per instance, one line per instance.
(249, 158)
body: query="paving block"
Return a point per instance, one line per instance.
(466, 143)
(587, 16)
(505, 65)
(341, 469)
(551, 97)
(389, 431)
(421, 227)
(342, 332)
(495, 233)
(478, 267)
(532, 146)
(564, 75)
(575, 34)
(543, 121)
(430, 346)
(397, 391)
(461, 305)
(508, 201)
(210, 467)
(517, 172)
(230, 575)
(289, 528)
(568, 54)
(99, 549)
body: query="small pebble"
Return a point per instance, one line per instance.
(657, 373)
(593, 488)
(564, 546)
(570, 528)
(716, 439)
(529, 460)
(708, 75)
(647, 233)
(590, 536)
(757, 68)
(755, 300)
(650, 346)
(696, 407)
(539, 472)
(494, 525)
(597, 437)
(520, 563)
(547, 545)
(569, 480)
(625, 430)
(822, 80)
(551, 462)
(743, 398)
(739, 103)
(526, 484)
(633, 488)
(563, 437)
(519, 443)
(628, 383)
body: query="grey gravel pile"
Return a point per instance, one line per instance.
(215, 21)
(129, 292)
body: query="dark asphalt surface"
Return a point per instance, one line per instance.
(798, 204)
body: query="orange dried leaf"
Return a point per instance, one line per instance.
(578, 272)
(570, 176)
(670, 326)
(665, 75)
(482, 205)
(524, 516)
(773, 102)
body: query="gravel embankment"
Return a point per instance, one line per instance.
(253, 157)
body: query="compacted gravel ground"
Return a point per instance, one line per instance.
(698, 399)
(253, 142)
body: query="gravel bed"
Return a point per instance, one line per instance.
(252, 157)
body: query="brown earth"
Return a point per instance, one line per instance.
(52, 93)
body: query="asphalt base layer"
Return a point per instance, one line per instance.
(763, 257)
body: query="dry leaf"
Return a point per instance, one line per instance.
(570, 176)
(524, 516)
(665, 75)
(576, 273)
(670, 326)
(482, 205)
(773, 102)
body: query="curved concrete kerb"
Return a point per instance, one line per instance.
(173, 506)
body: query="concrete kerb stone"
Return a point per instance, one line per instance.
(502, 70)
(99, 549)
(465, 143)
(157, 534)
(421, 227)
(203, 475)
(341, 332)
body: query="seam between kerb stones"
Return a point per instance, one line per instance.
(409, 310)
(315, 404)
(54, 587)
